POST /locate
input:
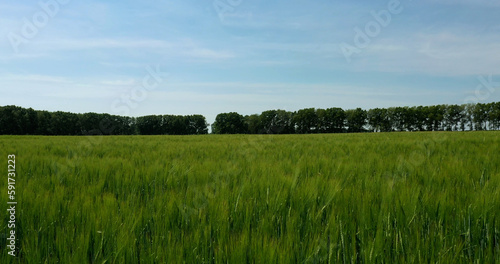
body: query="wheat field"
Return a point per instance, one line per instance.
(426, 197)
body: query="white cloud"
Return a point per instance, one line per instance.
(180, 48)
(204, 53)
(127, 82)
(442, 53)
(102, 43)
(45, 86)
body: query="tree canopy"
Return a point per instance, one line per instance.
(336, 120)
(16, 120)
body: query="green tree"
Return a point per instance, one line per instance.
(89, 123)
(44, 126)
(453, 116)
(253, 124)
(12, 120)
(122, 125)
(276, 122)
(375, 119)
(419, 114)
(398, 118)
(435, 117)
(229, 123)
(197, 125)
(64, 123)
(469, 115)
(336, 119)
(323, 121)
(150, 125)
(305, 121)
(494, 116)
(480, 116)
(356, 120)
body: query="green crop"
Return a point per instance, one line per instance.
(426, 197)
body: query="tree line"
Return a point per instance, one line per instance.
(336, 120)
(16, 120)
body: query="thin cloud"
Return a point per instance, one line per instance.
(34, 78)
(204, 53)
(103, 43)
(265, 54)
(436, 54)
(127, 82)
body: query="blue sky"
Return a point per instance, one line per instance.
(210, 57)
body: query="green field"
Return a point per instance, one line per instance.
(427, 197)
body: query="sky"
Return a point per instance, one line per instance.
(137, 58)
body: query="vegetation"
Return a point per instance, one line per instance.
(336, 120)
(229, 123)
(20, 121)
(423, 197)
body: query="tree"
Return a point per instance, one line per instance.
(469, 115)
(375, 119)
(336, 118)
(28, 121)
(409, 119)
(480, 116)
(276, 122)
(197, 125)
(253, 124)
(123, 125)
(10, 120)
(44, 126)
(331, 120)
(150, 125)
(323, 121)
(419, 115)
(453, 116)
(89, 124)
(435, 117)
(397, 115)
(494, 116)
(305, 121)
(404, 118)
(178, 126)
(64, 123)
(356, 120)
(229, 123)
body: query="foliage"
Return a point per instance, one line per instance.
(336, 120)
(20, 121)
(356, 120)
(229, 123)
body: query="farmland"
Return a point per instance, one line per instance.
(410, 197)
